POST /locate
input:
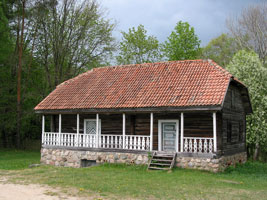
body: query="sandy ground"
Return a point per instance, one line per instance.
(9, 191)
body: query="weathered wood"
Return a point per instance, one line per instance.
(233, 114)
(134, 110)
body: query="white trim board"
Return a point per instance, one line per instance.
(160, 121)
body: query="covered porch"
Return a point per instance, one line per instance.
(195, 133)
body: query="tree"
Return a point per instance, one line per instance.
(247, 67)
(61, 38)
(220, 49)
(7, 82)
(72, 37)
(21, 39)
(137, 47)
(182, 44)
(250, 29)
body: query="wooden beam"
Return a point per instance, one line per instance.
(214, 132)
(59, 129)
(78, 130)
(132, 110)
(123, 130)
(151, 131)
(182, 133)
(43, 128)
(97, 130)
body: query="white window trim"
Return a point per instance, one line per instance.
(90, 120)
(160, 121)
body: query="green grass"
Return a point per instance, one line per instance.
(17, 159)
(248, 181)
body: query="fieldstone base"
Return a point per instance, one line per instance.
(72, 158)
(211, 164)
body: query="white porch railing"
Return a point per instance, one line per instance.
(133, 142)
(51, 138)
(198, 145)
(111, 141)
(137, 142)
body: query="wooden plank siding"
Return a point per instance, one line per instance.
(233, 113)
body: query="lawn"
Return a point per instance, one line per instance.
(112, 181)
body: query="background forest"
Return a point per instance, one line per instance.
(45, 42)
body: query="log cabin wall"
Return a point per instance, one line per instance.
(233, 122)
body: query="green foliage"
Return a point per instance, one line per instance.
(248, 68)
(7, 81)
(182, 44)
(137, 47)
(220, 49)
(5, 41)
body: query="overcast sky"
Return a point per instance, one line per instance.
(160, 16)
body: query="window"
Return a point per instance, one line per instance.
(241, 130)
(229, 131)
(90, 126)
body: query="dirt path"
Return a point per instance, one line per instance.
(10, 191)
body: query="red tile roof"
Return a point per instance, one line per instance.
(149, 85)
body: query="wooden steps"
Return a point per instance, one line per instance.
(162, 161)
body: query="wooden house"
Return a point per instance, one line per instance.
(124, 114)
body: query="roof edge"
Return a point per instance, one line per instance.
(121, 110)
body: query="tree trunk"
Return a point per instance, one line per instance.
(256, 152)
(18, 136)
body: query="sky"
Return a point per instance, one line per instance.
(159, 17)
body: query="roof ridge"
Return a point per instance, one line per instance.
(153, 63)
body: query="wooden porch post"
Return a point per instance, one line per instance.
(78, 130)
(214, 132)
(43, 128)
(97, 130)
(182, 133)
(59, 129)
(151, 131)
(123, 130)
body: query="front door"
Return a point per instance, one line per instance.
(169, 136)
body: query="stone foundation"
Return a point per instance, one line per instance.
(211, 164)
(72, 158)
